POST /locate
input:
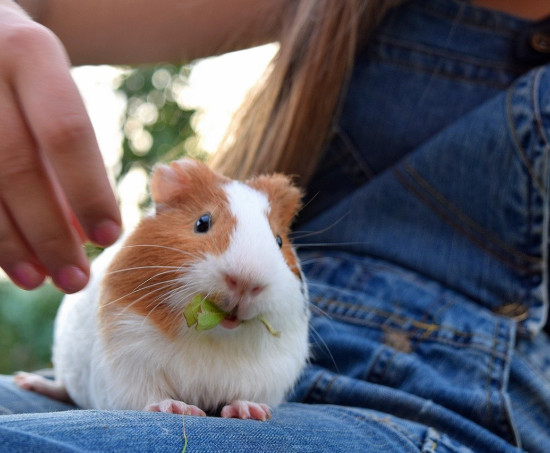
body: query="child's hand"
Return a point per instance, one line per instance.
(54, 191)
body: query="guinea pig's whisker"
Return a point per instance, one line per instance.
(319, 285)
(308, 261)
(139, 299)
(180, 294)
(319, 311)
(171, 269)
(141, 287)
(139, 268)
(173, 300)
(316, 283)
(165, 284)
(163, 298)
(327, 244)
(158, 301)
(308, 202)
(184, 290)
(165, 247)
(157, 276)
(322, 343)
(303, 234)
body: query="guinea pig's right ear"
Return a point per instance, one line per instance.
(165, 185)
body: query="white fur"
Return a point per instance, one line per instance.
(209, 368)
(76, 334)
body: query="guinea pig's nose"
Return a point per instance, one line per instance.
(243, 286)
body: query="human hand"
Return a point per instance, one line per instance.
(54, 191)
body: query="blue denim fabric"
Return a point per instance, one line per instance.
(430, 63)
(468, 208)
(293, 428)
(425, 247)
(389, 339)
(431, 214)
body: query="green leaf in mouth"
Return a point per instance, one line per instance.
(204, 314)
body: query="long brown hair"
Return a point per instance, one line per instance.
(286, 120)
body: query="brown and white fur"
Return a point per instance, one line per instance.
(123, 343)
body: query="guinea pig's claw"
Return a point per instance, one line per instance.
(247, 410)
(170, 406)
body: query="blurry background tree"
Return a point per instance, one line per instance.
(155, 129)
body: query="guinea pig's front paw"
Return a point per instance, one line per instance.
(169, 406)
(246, 410)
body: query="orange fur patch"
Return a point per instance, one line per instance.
(138, 278)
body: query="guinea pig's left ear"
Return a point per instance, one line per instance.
(291, 203)
(284, 197)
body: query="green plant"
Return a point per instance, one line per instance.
(156, 128)
(26, 326)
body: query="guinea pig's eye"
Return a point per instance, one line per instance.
(279, 240)
(203, 224)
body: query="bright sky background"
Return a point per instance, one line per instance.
(216, 88)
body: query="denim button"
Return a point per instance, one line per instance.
(533, 43)
(541, 42)
(516, 311)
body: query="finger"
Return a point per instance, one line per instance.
(37, 210)
(15, 257)
(57, 118)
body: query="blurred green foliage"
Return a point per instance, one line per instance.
(156, 129)
(26, 325)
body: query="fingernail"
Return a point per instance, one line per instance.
(106, 232)
(27, 276)
(70, 279)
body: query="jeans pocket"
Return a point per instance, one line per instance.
(409, 337)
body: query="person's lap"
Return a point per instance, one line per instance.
(294, 427)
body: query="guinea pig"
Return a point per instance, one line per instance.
(124, 343)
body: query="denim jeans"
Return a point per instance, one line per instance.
(425, 244)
